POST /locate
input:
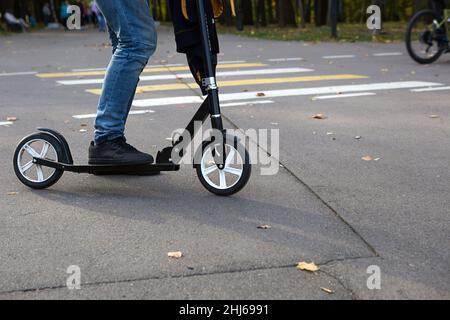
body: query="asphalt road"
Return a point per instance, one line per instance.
(325, 204)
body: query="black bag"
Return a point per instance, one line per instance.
(187, 35)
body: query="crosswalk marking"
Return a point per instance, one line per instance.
(387, 54)
(285, 59)
(5, 123)
(236, 104)
(189, 75)
(348, 95)
(26, 73)
(93, 115)
(146, 70)
(430, 89)
(346, 56)
(288, 93)
(234, 83)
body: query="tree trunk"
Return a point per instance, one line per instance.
(269, 7)
(247, 8)
(301, 9)
(321, 11)
(261, 13)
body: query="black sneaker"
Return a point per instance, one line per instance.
(117, 151)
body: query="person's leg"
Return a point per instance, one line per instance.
(134, 30)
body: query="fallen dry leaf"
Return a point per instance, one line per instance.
(264, 226)
(175, 254)
(358, 137)
(311, 267)
(12, 193)
(319, 116)
(434, 116)
(367, 158)
(327, 290)
(83, 125)
(260, 94)
(11, 119)
(83, 130)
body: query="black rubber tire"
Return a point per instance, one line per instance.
(408, 36)
(59, 151)
(247, 170)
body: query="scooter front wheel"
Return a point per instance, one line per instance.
(229, 178)
(37, 145)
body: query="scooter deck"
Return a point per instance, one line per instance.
(109, 169)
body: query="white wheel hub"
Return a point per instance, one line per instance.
(231, 172)
(36, 148)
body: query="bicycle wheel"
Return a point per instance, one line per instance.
(424, 40)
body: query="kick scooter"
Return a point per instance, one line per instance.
(224, 168)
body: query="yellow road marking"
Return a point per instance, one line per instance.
(146, 70)
(234, 83)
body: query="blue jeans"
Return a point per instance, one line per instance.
(133, 38)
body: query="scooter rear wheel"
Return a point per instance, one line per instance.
(234, 174)
(37, 145)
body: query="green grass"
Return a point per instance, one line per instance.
(347, 33)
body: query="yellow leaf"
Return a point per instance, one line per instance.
(175, 254)
(260, 94)
(327, 290)
(311, 267)
(319, 116)
(367, 158)
(13, 193)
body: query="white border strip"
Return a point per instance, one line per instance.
(348, 95)
(246, 103)
(18, 73)
(430, 89)
(288, 93)
(189, 76)
(148, 66)
(347, 56)
(93, 115)
(387, 54)
(285, 59)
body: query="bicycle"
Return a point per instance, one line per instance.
(426, 36)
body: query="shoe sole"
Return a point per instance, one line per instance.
(117, 163)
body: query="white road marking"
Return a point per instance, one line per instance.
(235, 104)
(93, 115)
(388, 54)
(148, 66)
(285, 59)
(232, 62)
(348, 95)
(288, 93)
(430, 89)
(6, 123)
(17, 73)
(88, 69)
(189, 76)
(347, 56)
